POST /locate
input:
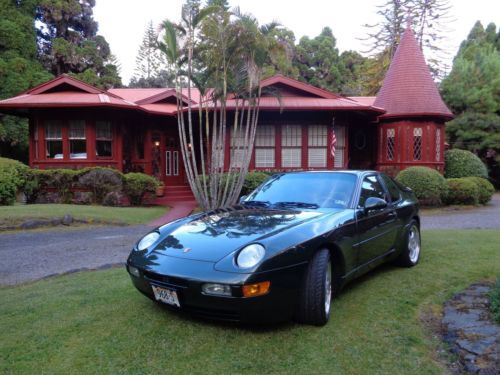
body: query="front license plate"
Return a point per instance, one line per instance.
(167, 296)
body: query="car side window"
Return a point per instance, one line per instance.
(370, 187)
(392, 187)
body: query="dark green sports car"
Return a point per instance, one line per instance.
(284, 251)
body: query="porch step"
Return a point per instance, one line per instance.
(179, 193)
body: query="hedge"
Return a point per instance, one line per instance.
(136, 184)
(485, 189)
(461, 191)
(427, 184)
(461, 163)
(12, 179)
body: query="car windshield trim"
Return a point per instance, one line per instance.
(297, 204)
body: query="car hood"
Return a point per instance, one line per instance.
(212, 236)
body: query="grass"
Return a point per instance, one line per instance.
(495, 301)
(12, 215)
(96, 322)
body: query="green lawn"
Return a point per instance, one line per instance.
(128, 215)
(96, 322)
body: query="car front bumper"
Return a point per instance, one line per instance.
(279, 304)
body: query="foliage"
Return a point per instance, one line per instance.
(376, 324)
(136, 184)
(101, 181)
(427, 18)
(68, 42)
(495, 301)
(12, 178)
(252, 181)
(485, 189)
(19, 70)
(461, 191)
(472, 91)
(151, 68)
(427, 184)
(463, 163)
(228, 52)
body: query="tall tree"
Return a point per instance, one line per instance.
(68, 42)
(472, 91)
(428, 19)
(229, 51)
(151, 68)
(318, 61)
(19, 70)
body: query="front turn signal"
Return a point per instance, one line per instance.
(258, 289)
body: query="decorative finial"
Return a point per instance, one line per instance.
(409, 19)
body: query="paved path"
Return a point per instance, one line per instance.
(177, 210)
(487, 217)
(26, 256)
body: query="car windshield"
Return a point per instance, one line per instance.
(305, 190)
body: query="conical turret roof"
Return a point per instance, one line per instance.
(408, 88)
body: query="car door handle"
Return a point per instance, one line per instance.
(392, 214)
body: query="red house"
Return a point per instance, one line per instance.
(75, 125)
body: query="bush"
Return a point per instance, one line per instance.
(136, 184)
(427, 184)
(486, 189)
(101, 181)
(12, 179)
(461, 191)
(113, 198)
(62, 180)
(252, 181)
(495, 301)
(462, 163)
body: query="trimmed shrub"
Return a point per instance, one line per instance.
(486, 189)
(101, 181)
(427, 184)
(463, 163)
(461, 191)
(252, 181)
(12, 179)
(136, 184)
(113, 198)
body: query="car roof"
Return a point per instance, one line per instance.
(357, 172)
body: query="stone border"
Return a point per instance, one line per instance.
(66, 220)
(470, 332)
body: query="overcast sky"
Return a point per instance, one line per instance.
(123, 22)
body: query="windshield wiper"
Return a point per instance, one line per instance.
(256, 203)
(296, 204)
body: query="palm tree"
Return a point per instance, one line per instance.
(225, 51)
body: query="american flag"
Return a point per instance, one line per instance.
(333, 143)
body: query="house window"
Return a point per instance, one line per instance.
(291, 146)
(77, 140)
(438, 144)
(53, 140)
(417, 143)
(265, 146)
(104, 139)
(390, 144)
(317, 146)
(339, 146)
(139, 145)
(237, 147)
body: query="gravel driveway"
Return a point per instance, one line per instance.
(27, 256)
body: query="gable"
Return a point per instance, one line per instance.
(291, 87)
(64, 83)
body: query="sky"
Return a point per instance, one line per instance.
(123, 22)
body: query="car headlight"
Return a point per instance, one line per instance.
(148, 240)
(250, 255)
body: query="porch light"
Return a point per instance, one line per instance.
(157, 143)
(189, 145)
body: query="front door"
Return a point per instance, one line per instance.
(173, 165)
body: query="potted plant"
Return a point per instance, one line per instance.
(160, 189)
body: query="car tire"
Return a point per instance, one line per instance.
(410, 255)
(316, 292)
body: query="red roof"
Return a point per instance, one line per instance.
(408, 88)
(66, 91)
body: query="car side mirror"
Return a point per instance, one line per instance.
(242, 198)
(374, 203)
